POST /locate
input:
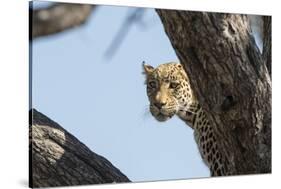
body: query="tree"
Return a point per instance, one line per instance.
(231, 80)
(57, 158)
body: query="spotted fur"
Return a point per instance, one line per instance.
(170, 94)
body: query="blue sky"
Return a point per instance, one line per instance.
(103, 101)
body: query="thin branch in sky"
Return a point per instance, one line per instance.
(134, 17)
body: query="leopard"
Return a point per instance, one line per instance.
(170, 94)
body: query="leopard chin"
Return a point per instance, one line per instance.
(163, 114)
(161, 117)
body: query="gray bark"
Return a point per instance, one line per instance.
(231, 81)
(57, 158)
(57, 18)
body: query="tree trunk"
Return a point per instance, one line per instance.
(57, 158)
(229, 77)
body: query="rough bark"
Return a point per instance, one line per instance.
(230, 79)
(57, 158)
(56, 18)
(267, 42)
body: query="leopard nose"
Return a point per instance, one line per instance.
(159, 104)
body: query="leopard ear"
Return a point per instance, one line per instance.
(147, 69)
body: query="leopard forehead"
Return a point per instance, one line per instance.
(168, 72)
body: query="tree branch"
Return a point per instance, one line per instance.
(57, 158)
(57, 18)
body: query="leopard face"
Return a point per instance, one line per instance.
(168, 90)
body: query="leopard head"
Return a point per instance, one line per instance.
(168, 90)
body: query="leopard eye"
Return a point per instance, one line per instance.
(173, 85)
(152, 84)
